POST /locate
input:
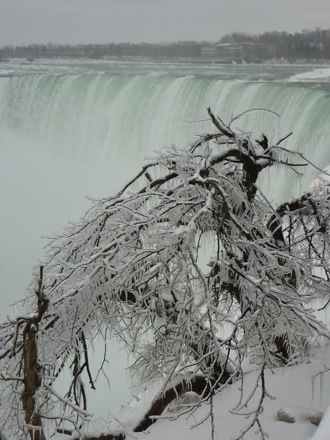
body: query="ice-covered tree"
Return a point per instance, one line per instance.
(191, 267)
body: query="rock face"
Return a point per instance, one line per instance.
(293, 414)
(284, 416)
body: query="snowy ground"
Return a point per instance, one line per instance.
(302, 392)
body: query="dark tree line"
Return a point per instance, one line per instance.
(181, 49)
(306, 45)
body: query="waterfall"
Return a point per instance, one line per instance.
(122, 118)
(65, 136)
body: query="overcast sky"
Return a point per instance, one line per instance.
(102, 21)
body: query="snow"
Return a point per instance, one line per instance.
(323, 431)
(317, 75)
(300, 391)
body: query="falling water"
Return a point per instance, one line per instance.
(71, 130)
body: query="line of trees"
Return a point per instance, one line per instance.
(180, 49)
(306, 45)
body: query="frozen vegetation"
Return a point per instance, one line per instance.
(208, 285)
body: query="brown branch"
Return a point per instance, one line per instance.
(221, 126)
(109, 436)
(199, 385)
(83, 339)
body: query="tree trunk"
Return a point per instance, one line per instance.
(31, 367)
(31, 382)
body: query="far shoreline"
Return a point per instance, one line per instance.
(196, 61)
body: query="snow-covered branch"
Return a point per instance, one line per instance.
(134, 267)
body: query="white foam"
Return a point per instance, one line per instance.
(315, 75)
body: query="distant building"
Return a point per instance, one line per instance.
(236, 52)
